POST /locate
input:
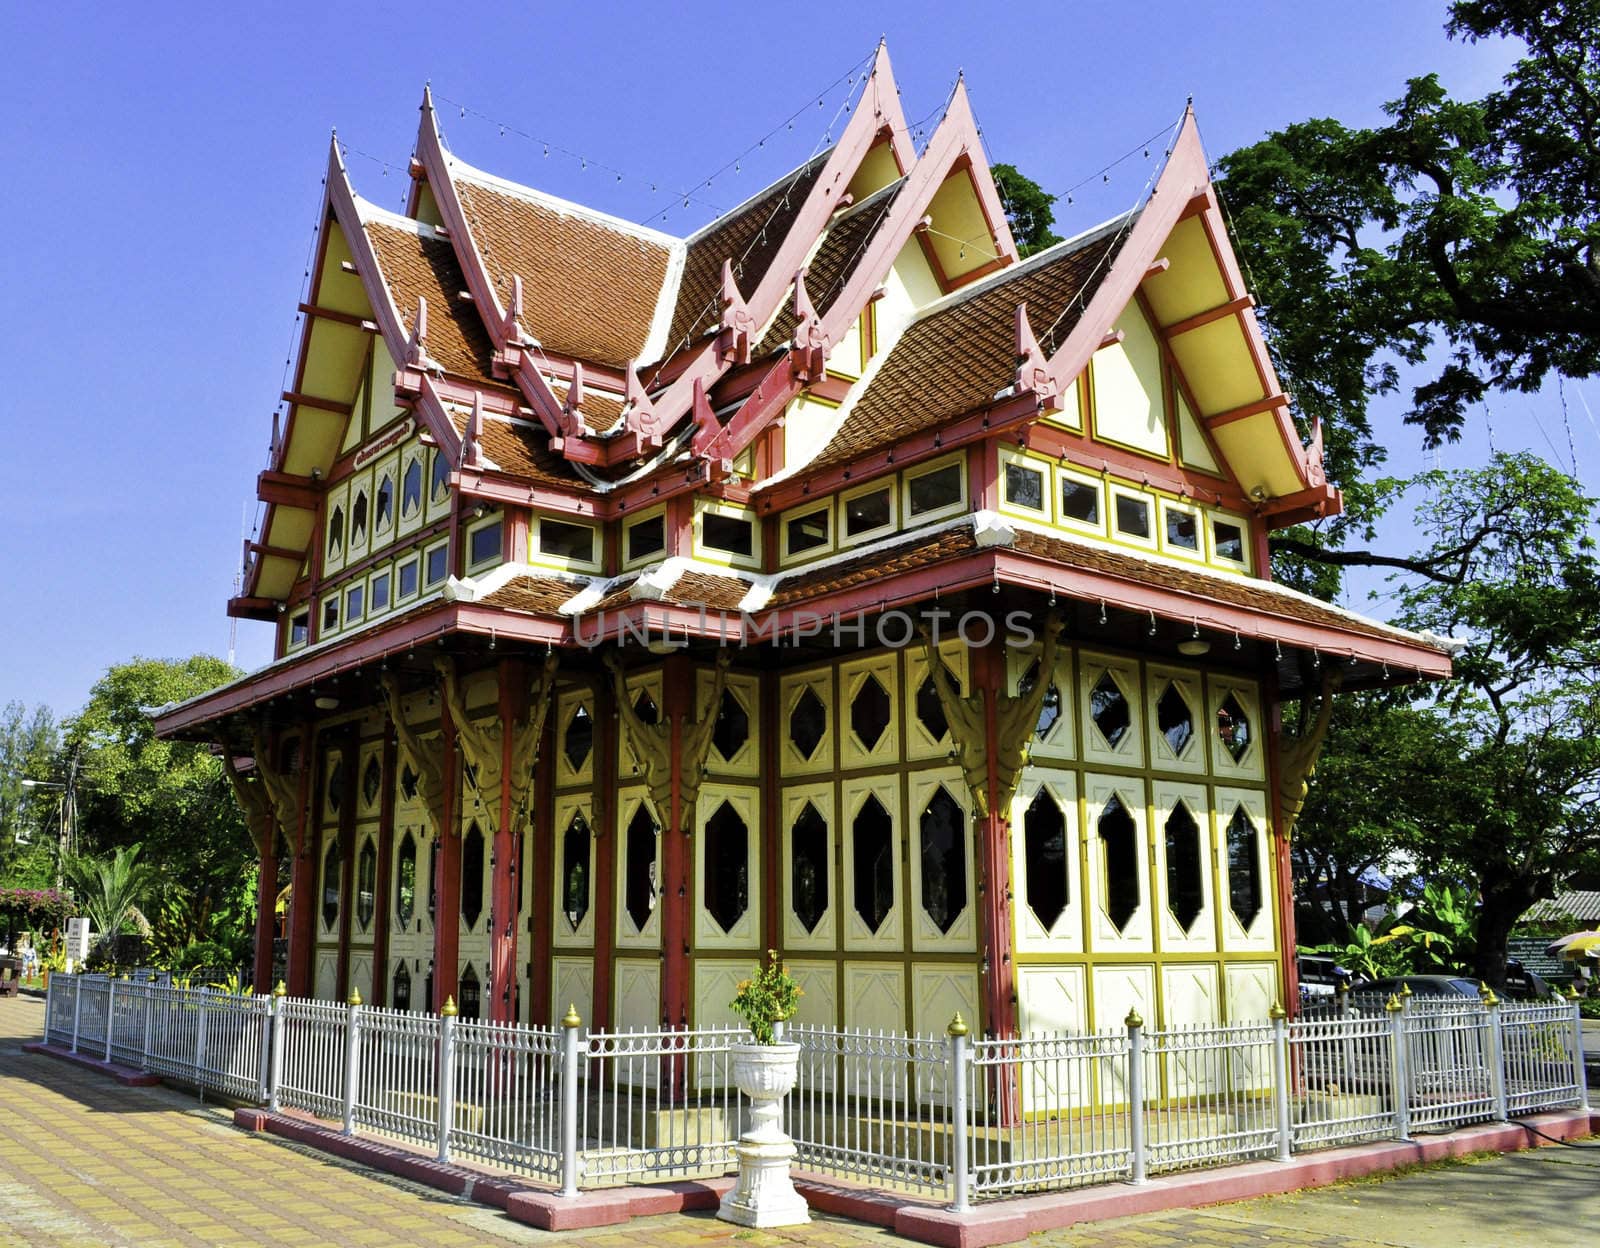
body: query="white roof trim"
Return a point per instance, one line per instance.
(566, 207)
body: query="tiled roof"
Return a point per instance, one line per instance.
(956, 358)
(703, 589)
(760, 226)
(521, 449)
(879, 565)
(1577, 904)
(589, 289)
(412, 266)
(600, 411)
(538, 595)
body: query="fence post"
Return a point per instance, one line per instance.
(111, 1013)
(77, 1008)
(1579, 1075)
(569, 1101)
(149, 1022)
(278, 1044)
(960, 1182)
(447, 1076)
(1343, 991)
(1397, 1068)
(352, 1059)
(1497, 1054)
(264, 1052)
(200, 1043)
(1280, 1079)
(1136, 1141)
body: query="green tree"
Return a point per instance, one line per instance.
(29, 740)
(1029, 209)
(110, 890)
(171, 797)
(1459, 238)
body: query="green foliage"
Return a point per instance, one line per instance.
(1029, 209)
(29, 740)
(201, 955)
(1459, 237)
(1436, 936)
(109, 890)
(770, 996)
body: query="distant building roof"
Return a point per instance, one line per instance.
(1578, 904)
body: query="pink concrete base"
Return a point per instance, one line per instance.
(122, 1074)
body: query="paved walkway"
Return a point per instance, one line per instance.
(85, 1162)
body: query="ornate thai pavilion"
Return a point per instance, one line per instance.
(831, 580)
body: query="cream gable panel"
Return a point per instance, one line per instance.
(1129, 408)
(1193, 448)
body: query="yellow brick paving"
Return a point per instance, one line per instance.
(86, 1163)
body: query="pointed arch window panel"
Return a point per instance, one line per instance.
(400, 986)
(576, 851)
(411, 490)
(1184, 852)
(869, 733)
(1112, 719)
(473, 849)
(727, 859)
(383, 503)
(366, 883)
(331, 863)
(638, 865)
(870, 897)
(1119, 886)
(1247, 887)
(1235, 730)
(405, 882)
(809, 884)
(1045, 862)
(1175, 719)
(927, 726)
(576, 739)
(942, 862)
(1044, 832)
(735, 735)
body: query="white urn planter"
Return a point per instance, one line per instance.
(764, 1194)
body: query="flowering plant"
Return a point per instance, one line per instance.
(769, 997)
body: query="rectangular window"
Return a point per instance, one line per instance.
(1025, 487)
(380, 592)
(299, 628)
(483, 544)
(1227, 541)
(733, 534)
(437, 564)
(868, 512)
(646, 537)
(937, 491)
(355, 599)
(1182, 528)
(406, 579)
(330, 613)
(561, 540)
(808, 532)
(1080, 502)
(1133, 517)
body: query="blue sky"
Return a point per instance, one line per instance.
(164, 166)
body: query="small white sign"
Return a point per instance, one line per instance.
(77, 939)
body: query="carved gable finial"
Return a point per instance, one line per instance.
(417, 348)
(1033, 367)
(512, 327)
(574, 403)
(471, 445)
(810, 355)
(639, 412)
(738, 326)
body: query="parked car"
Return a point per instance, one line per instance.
(1525, 985)
(1420, 985)
(1320, 976)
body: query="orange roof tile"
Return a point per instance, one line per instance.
(537, 595)
(414, 265)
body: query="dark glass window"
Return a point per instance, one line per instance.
(1244, 868)
(407, 577)
(439, 486)
(807, 532)
(380, 592)
(330, 613)
(408, 782)
(1049, 709)
(575, 871)
(471, 1003)
(1133, 516)
(647, 537)
(366, 883)
(872, 855)
(644, 706)
(1175, 720)
(808, 722)
(1227, 540)
(866, 512)
(358, 518)
(371, 781)
(330, 885)
(355, 603)
(1120, 852)
(405, 891)
(639, 878)
(869, 712)
(336, 784)
(734, 534)
(1080, 501)
(1183, 529)
(336, 533)
(1044, 831)
(400, 988)
(1186, 896)
(299, 628)
(930, 710)
(411, 489)
(438, 565)
(1109, 710)
(484, 544)
(580, 738)
(561, 540)
(1233, 728)
(934, 490)
(808, 867)
(944, 860)
(1024, 487)
(727, 867)
(385, 503)
(732, 728)
(472, 876)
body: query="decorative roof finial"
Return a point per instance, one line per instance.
(417, 348)
(471, 448)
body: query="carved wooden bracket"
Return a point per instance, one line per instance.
(1297, 756)
(525, 737)
(282, 793)
(254, 801)
(809, 357)
(479, 742)
(737, 332)
(651, 745)
(1033, 366)
(427, 765)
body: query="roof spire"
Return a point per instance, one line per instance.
(513, 322)
(471, 448)
(639, 412)
(427, 97)
(809, 358)
(738, 326)
(417, 347)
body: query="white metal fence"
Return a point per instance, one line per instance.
(955, 1115)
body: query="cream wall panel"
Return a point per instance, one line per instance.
(327, 976)
(1190, 755)
(854, 678)
(1250, 765)
(1201, 936)
(572, 983)
(940, 991)
(1052, 1000)
(569, 807)
(361, 973)
(875, 996)
(1058, 738)
(819, 1007)
(1252, 989)
(638, 995)
(1189, 993)
(746, 690)
(1118, 990)
(1260, 934)
(1065, 934)
(920, 743)
(1128, 750)
(629, 802)
(854, 795)
(824, 935)
(1135, 935)
(922, 788)
(716, 983)
(1194, 450)
(744, 801)
(791, 691)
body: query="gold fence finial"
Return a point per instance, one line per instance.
(572, 1020)
(354, 998)
(958, 1026)
(449, 1010)
(282, 990)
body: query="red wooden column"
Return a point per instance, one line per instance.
(677, 695)
(447, 880)
(381, 900)
(772, 799)
(266, 902)
(349, 754)
(504, 885)
(607, 849)
(541, 856)
(303, 879)
(1278, 840)
(994, 859)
